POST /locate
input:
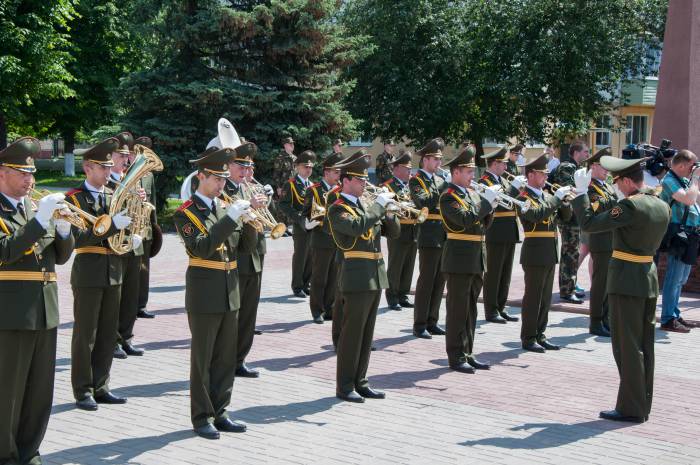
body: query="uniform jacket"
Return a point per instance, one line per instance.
(26, 246)
(602, 198)
(464, 216)
(357, 233)
(505, 222)
(409, 228)
(638, 224)
(249, 262)
(93, 269)
(292, 202)
(512, 168)
(563, 175)
(426, 193)
(382, 168)
(213, 237)
(541, 219)
(320, 235)
(283, 168)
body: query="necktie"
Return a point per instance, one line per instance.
(20, 209)
(213, 208)
(101, 201)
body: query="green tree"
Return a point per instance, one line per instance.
(33, 57)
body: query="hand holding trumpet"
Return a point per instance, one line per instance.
(582, 179)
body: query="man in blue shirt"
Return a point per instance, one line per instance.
(680, 192)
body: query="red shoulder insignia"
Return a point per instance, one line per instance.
(185, 205)
(450, 190)
(335, 189)
(315, 185)
(484, 177)
(72, 192)
(338, 202)
(291, 180)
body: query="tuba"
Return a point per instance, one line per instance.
(125, 197)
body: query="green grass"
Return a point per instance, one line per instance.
(56, 179)
(165, 214)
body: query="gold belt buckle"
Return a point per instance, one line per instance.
(47, 276)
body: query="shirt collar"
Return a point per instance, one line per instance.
(463, 189)
(428, 175)
(303, 181)
(493, 175)
(350, 197)
(94, 190)
(207, 201)
(14, 201)
(400, 182)
(325, 184)
(115, 176)
(535, 190)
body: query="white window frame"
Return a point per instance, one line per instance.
(630, 136)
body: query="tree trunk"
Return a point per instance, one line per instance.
(3, 131)
(68, 140)
(479, 145)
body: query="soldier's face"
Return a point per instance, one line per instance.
(237, 173)
(431, 164)
(289, 148)
(304, 171)
(598, 172)
(463, 176)
(497, 167)
(121, 161)
(354, 186)
(402, 172)
(582, 154)
(210, 186)
(97, 175)
(389, 148)
(331, 176)
(249, 173)
(15, 183)
(536, 179)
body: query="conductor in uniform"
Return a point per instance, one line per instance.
(31, 245)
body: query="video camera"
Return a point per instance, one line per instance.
(659, 155)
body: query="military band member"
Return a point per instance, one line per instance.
(211, 232)
(501, 238)
(638, 223)
(292, 204)
(96, 279)
(382, 167)
(356, 229)
(323, 267)
(602, 198)
(402, 250)
(31, 245)
(465, 217)
(513, 155)
(538, 255)
(426, 187)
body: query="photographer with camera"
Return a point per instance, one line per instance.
(680, 191)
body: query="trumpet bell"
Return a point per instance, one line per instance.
(102, 225)
(278, 230)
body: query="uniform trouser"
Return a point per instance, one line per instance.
(129, 302)
(632, 321)
(301, 260)
(402, 259)
(462, 293)
(355, 344)
(212, 364)
(537, 299)
(249, 286)
(599, 286)
(568, 262)
(337, 312)
(145, 274)
(499, 268)
(27, 366)
(323, 281)
(96, 315)
(429, 289)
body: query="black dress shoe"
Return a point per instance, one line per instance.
(463, 368)
(571, 298)
(257, 332)
(422, 334)
(477, 364)
(86, 403)
(131, 350)
(496, 319)
(299, 293)
(580, 294)
(369, 393)
(328, 316)
(230, 426)
(394, 306)
(307, 290)
(244, 372)
(533, 347)
(143, 313)
(207, 431)
(614, 415)
(548, 345)
(598, 329)
(318, 319)
(436, 330)
(406, 304)
(351, 396)
(109, 398)
(119, 353)
(506, 316)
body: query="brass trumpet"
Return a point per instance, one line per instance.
(248, 217)
(263, 214)
(318, 212)
(552, 187)
(503, 199)
(402, 208)
(77, 216)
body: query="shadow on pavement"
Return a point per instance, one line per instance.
(160, 345)
(152, 390)
(294, 412)
(283, 299)
(282, 327)
(162, 289)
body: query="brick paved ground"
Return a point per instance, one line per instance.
(528, 408)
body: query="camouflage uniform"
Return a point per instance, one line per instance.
(512, 168)
(383, 168)
(570, 232)
(283, 169)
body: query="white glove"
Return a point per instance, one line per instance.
(238, 208)
(491, 194)
(62, 227)
(136, 241)
(309, 225)
(582, 179)
(562, 191)
(120, 220)
(518, 182)
(48, 205)
(268, 190)
(384, 198)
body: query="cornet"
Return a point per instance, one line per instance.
(504, 200)
(403, 209)
(77, 216)
(552, 187)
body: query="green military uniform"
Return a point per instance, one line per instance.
(538, 257)
(402, 250)
(337, 313)
(511, 166)
(29, 253)
(212, 297)
(602, 198)
(425, 192)
(465, 218)
(322, 249)
(501, 238)
(638, 224)
(96, 279)
(383, 165)
(356, 229)
(292, 204)
(282, 170)
(148, 184)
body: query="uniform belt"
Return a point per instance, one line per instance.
(45, 276)
(541, 234)
(407, 221)
(94, 249)
(366, 255)
(503, 214)
(628, 257)
(434, 216)
(465, 237)
(213, 264)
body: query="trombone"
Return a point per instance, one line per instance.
(77, 216)
(504, 200)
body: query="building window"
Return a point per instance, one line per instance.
(636, 129)
(602, 132)
(360, 142)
